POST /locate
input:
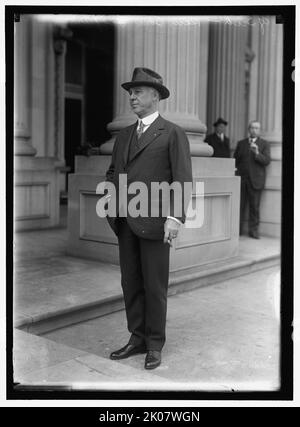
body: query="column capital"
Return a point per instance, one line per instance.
(60, 35)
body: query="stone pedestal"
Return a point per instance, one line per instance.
(217, 239)
(36, 190)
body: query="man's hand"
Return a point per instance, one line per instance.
(171, 228)
(254, 148)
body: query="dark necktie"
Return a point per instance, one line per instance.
(140, 129)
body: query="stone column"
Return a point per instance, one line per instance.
(265, 102)
(226, 77)
(42, 90)
(265, 105)
(178, 51)
(22, 88)
(36, 203)
(61, 34)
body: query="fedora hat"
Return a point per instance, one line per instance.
(146, 77)
(220, 121)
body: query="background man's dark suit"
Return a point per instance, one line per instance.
(221, 148)
(251, 169)
(162, 155)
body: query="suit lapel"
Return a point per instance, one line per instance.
(154, 130)
(246, 145)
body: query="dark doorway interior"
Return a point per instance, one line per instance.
(86, 118)
(99, 95)
(98, 41)
(73, 112)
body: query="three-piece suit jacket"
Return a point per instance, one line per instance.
(163, 155)
(221, 148)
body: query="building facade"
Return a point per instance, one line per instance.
(68, 98)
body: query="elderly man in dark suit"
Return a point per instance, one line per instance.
(252, 155)
(218, 140)
(151, 150)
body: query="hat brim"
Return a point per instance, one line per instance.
(221, 123)
(164, 92)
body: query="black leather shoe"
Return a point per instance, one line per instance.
(254, 235)
(153, 359)
(127, 351)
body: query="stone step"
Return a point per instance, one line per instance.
(182, 281)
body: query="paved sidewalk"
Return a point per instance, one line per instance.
(52, 289)
(219, 337)
(222, 337)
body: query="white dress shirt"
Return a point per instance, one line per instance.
(252, 139)
(148, 120)
(221, 136)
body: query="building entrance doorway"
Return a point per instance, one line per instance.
(89, 77)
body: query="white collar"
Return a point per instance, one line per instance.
(148, 120)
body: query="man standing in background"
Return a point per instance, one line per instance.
(252, 155)
(218, 140)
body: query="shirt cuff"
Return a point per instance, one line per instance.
(174, 219)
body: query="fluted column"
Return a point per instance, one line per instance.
(179, 53)
(265, 102)
(60, 50)
(22, 88)
(226, 77)
(265, 105)
(36, 178)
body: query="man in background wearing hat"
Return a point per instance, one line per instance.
(252, 155)
(151, 150)
(218, 141)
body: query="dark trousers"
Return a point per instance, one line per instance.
(252, 196)
(144, 278)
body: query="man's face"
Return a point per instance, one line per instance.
(143, 100)
(254, 129)
(220, 128)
